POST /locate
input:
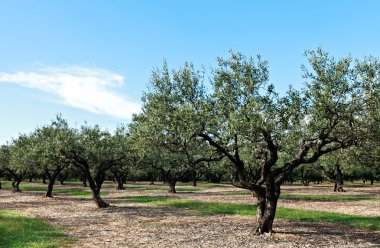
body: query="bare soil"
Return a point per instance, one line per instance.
(143, 225)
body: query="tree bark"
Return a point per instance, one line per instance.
(172, 187)
(338, 185)
(0, 185)
(194, 178)
(267, 206)
(50, 188)
(62, 178)
(15, 186)
(95, 186)
(304, 179)
(84, 181)
(120, 184)
(98, 200)
(44, 178)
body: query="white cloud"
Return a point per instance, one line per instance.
(91, 89)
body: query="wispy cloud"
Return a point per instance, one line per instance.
(91, 89)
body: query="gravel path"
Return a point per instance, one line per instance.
(143, 225)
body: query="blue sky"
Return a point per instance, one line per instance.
(91, 60)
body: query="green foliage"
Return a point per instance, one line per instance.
(166, 130)
(23, 160)
(51, 144)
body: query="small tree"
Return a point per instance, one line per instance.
(5, 157)
(51, 144)
(121, 168)
(94, 152)
(21, 160)
(171, 107)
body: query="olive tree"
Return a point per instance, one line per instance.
(51, 144)
(94, 152)
(166, 124)
(277, 134)
(4, 160)
(122, 167)
(22, 159)
(266, 136)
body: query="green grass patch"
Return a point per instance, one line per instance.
(204, 184)
(327, 197)
(145, 199)
(371, 223)
(313, 197)
(56, 190)
(161, 188)
(18, 231)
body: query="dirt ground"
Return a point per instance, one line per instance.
(143, 225)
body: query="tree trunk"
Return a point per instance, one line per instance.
(372, 180)
(195, 183)
(62, 178)
(0, 185)
(194, 178)
(266, 207)
(304, 180)
(151, 177)
(84, 181)
(120, 184)
(15, 186)
(98, 200)
(44, 179)
(260, 207)
(338, 185)
(30, 179)
(50, 188)
(95, 188)
(172, 187)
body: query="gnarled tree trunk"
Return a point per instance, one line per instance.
(338, 185)
(172, 184)
(121, 178)
(267, 199)
(50, 188)
(15, 186)
(84, 181)
(120, 185)
(44, 178)
(98, 200)
(62, 178)
(95, 188)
